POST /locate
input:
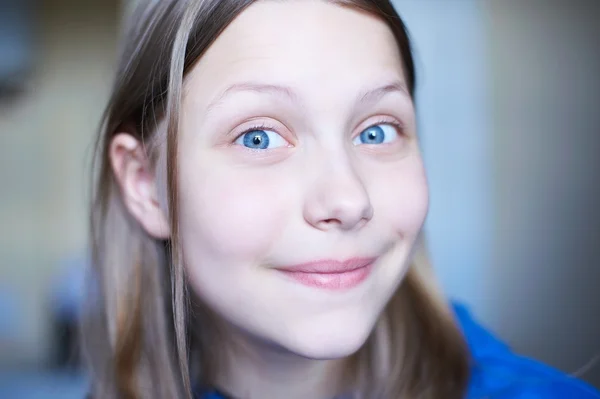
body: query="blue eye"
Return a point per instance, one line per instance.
(377, 134)
(261, 139)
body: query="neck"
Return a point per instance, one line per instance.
(256, 369)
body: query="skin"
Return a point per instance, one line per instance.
(314, 75)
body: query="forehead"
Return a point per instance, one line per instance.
(301, 44)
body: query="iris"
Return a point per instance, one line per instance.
(372, 135)
(256, 139)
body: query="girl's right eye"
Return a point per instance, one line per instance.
(261, 139)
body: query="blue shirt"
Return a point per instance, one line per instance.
(499, 373)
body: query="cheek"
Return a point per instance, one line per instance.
(405, 202)
(233, 214)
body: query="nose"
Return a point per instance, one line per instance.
(337, 199)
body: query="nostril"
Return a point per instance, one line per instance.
(335, 223)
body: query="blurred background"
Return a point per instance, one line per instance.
(508, 99)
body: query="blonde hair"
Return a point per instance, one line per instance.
(138, 338)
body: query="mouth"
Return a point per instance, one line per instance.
(331, 274)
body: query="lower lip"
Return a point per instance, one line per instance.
(332, 281)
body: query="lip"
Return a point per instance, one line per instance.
(331, 274)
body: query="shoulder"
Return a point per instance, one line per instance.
(499, 373)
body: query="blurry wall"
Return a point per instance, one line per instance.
(545, 93)
(45, 141)
(508, 92)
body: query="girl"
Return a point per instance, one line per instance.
(257, 215)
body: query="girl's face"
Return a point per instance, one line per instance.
(302, 190)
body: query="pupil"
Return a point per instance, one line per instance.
(372, 135)
(257, 140)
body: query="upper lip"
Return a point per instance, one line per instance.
(329, 266)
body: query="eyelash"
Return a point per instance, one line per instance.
(388, 121)
(258, 126)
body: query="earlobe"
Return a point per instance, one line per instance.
(137, 181)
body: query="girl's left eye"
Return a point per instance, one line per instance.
(377, 134)
(261, 139)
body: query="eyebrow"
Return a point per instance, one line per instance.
(367, 97)
(376, 94)
(277, 90)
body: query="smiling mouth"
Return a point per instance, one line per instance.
(331, 274)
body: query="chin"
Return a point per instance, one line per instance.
(336, 342)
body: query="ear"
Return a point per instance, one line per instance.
(138, 184)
